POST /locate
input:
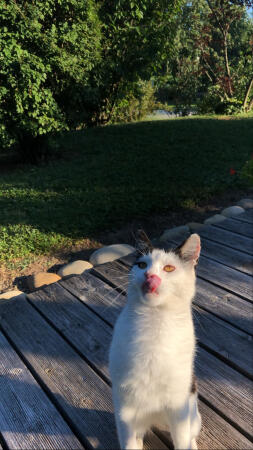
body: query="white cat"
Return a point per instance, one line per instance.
(153, 346)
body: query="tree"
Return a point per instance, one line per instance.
(136, 38)
(66, 64)
(47, 50)
(214, 53)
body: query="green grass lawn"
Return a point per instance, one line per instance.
(110, 175)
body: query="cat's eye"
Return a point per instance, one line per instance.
(169, 268)
(141, 265)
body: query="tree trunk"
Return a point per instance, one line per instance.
(249, 87)
(227, 64)
(250, 105)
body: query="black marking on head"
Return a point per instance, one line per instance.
(185, 255)
(143, 244)
(178, 250)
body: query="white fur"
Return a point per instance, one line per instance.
(152, 352)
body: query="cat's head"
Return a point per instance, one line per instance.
(160, 276)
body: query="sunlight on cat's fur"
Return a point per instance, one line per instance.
(153, 347)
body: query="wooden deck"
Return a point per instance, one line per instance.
(54, 385)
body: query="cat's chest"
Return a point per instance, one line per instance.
(158, 356)
(157, 341)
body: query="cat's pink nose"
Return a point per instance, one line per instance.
(151, 283)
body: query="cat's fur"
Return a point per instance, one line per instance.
(153, 346)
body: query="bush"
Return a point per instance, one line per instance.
(48, 48)
(247, 171)
(137, 101)
(166, 93)
(212, 102)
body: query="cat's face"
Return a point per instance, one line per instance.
(158, 276)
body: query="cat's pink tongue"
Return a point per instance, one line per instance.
(151, 284)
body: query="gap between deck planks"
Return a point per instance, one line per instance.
(246, 216)
(28, 419)
(228, 239)
(228, 256)
(81, 395)
(236, 226)
(216, 378)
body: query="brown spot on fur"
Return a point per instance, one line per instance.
(194, 386)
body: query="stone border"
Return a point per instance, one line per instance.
(112, 252)
(195, 227)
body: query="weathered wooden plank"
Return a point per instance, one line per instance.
(227, 238)
(83, 397)
(225, 305)
(98, 295)
(215, 432)
(226, 277)
(233, 407)
(80, 393)
(236, 226)
(228, 256)
(28, 419)
(75, 322)
(245, 217)
(228, 342)
(223, 276)
(219, 385)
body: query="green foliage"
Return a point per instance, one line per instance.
(66, 64)
(47, 50)
(213, 103)
(247, 171)
(136, 38)
(137, 102)
(212, 57)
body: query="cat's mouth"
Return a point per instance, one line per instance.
(151, 284)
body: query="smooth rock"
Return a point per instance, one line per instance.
(173, 232)
(110, 253)
(12, 294)
(232, 211)
(246, 203)
(214, 219)
(74, 268)
(195, 226)
(41, 279)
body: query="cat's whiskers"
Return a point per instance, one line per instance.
(194, 313)
(114, 300)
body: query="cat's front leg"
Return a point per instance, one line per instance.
(127, 434)
(180, 426)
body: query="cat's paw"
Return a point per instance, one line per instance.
(194, 444)
(134, 444)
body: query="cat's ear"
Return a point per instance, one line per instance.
(189, 250)
(143, 244)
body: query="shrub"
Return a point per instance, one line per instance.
(247, 171)
(136, 102)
